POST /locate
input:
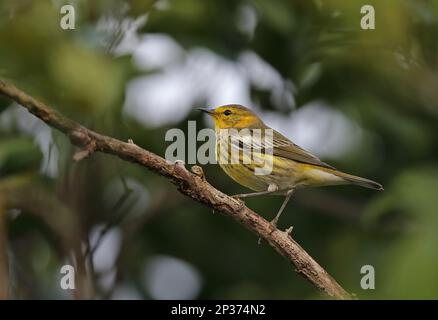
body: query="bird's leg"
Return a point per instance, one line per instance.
(271, 189)
(286, 200)
(253, 194)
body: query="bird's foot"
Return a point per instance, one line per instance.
(238, 199)
(273, 224)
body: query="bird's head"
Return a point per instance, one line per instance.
(234, 116)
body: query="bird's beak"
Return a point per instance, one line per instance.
(208, 111)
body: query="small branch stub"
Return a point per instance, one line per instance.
(199, 172)
(87, 151)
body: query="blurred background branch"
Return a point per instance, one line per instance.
(21, 192)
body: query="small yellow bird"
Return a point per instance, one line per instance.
(292, 167)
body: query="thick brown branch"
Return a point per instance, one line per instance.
(191, 184)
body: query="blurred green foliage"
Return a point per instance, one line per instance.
(385, 80)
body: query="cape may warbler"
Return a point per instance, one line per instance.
(245, 145)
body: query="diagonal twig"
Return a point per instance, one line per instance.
(192, 184)
(114, 221)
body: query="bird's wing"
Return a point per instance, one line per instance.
(285, 148)
(255, 138)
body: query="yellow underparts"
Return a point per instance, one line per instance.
(286, 174)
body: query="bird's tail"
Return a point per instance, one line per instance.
(359, 181)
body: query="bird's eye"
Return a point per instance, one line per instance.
(227, 112)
